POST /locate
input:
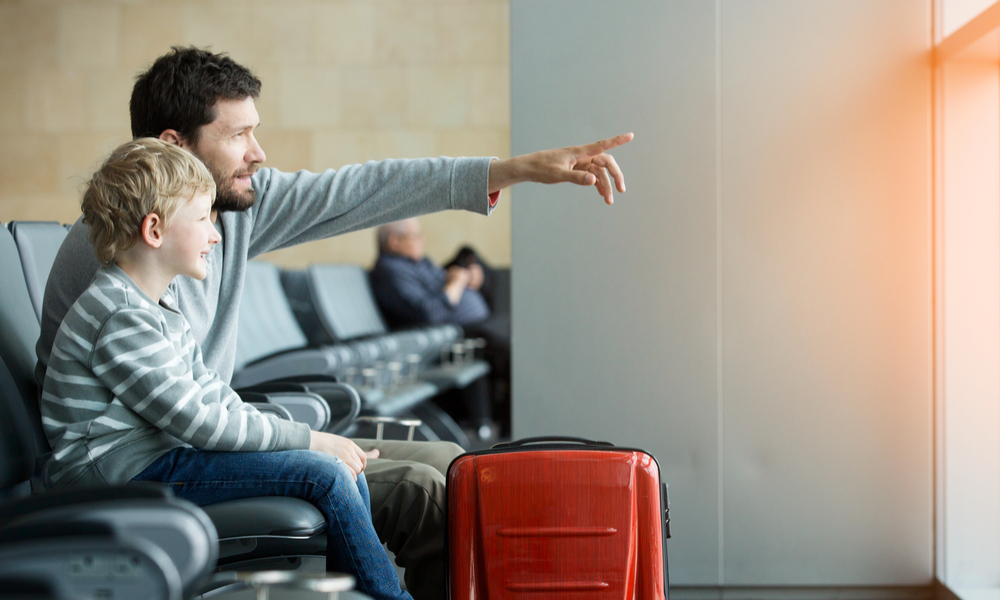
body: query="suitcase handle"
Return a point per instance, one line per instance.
(551, 439)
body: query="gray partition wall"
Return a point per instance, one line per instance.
(756, 309)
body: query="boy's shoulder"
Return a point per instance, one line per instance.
(108, 293)
(92, 316)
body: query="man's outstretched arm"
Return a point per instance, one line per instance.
(583, 165)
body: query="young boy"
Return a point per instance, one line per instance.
(127, 397)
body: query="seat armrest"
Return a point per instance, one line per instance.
(41, 569)
(381, 422)
(80, 496)
(273, 409)
(300, 379)
(295, 404)
(178, 527)
(304, 407)
(343, 403)
(314, 361)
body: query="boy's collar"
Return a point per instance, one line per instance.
(167, 301)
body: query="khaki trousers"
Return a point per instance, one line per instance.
(407, 486)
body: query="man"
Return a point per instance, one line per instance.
(412, 290)
(204, 102)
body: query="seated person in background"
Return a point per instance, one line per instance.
(412, 290)
(127, 396)
(482, 277)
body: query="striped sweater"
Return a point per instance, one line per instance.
(126, 383)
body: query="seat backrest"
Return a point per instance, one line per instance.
(266, 324)
(500, 297)
(296, 284)
(19, 331)
(17, 448)
(344, 301)
(37, 242)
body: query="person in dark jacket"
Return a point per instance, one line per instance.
(412, 290)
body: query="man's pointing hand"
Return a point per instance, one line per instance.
(583, 165)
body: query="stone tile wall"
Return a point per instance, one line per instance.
(344, 81)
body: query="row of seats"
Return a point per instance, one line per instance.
(324, 321)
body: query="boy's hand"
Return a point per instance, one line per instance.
(354, 457)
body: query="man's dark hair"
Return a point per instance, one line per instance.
(181, 88)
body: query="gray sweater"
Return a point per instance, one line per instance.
(126, 384)
(291, 208)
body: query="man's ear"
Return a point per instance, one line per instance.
(152, 230)
(172, 137)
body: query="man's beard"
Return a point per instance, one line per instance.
(227, 199)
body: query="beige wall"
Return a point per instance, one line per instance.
(344, 81)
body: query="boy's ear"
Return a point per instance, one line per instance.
(152, 230)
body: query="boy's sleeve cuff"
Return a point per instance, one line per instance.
(297, 435)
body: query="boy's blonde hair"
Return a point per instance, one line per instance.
(140, 177)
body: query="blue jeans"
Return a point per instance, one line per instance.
(325, 481)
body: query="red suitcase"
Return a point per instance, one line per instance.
(547, 518)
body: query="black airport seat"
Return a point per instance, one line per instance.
(37, 244)
(130, 542)
(500, 297)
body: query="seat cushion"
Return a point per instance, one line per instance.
(266, 516)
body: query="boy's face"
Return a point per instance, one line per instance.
(190, 237)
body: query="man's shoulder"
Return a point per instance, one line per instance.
(75, 262)
(386, 269)
(393, 262)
